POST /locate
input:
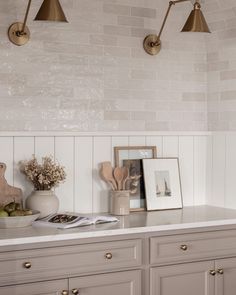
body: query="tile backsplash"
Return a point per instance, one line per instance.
(92, 74)
(221, 60)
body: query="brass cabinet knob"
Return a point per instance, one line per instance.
(212, 272)
(220, 271)
(184, 247)
(108, 256)
(64, 292)
(27, 265)
(75, 291)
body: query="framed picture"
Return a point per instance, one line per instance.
(131, 157)
(162, 183)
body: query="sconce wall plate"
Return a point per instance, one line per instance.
(152, 44)
(16, 36)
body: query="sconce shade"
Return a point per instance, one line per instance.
(51, 10)
(196, 21)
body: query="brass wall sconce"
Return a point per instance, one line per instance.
(195, 23)
(50, 10)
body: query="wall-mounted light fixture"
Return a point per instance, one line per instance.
(195, 23)
(50, 10)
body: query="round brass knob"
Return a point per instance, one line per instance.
(220, 271)
(108, 256)
(64, 292)
(212, 272)
(75, 291)
(27, 265)
(184, 247)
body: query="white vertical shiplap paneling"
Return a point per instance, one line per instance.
(44, 146)
(84, 191)
(83, 178)
(64, 154)
(186, 164)
(6, 147)
(137, 140)
(118, 141)
(209, 164)
(218, 169)
(200, 152)
(230, 165)
(170, 146)
(23, 150)
(101, 152)
(155, 141)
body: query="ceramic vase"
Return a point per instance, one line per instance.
(44, 201)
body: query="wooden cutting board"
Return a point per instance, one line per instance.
(8, 193)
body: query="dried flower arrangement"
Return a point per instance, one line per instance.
(43, 176)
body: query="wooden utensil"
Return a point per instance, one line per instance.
(8, 193)
(125, 172)
(118, 175)
(107, 175)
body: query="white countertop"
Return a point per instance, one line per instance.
(138, 222)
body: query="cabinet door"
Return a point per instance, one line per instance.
(183, 279)
(55, 287)
(225, 276)
(119, 283)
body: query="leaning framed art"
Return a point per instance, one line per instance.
(131, 157)
(162, 183)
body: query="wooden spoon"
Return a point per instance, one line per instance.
(125, 172)
(106, 173)
(118, 175)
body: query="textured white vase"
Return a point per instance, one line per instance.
(44, 201)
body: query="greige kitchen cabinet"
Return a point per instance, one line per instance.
(225, 276)
(125, 283)
(183, 279)
(130, 261)
(55, 287)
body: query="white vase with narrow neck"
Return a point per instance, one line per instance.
(44, 201)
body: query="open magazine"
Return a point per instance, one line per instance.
(68, 220)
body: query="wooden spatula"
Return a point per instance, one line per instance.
(125, 172)
(107, 175)
(118, 175)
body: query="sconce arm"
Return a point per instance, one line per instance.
(171, 3)
(26, 17)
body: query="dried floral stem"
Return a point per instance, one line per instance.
(44, 176)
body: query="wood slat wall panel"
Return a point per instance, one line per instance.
(200, 160)
(83, 178)
(24, 148)
(101, 152)
(6, 148)
(83, 190)
(64, 154)
(186, 157)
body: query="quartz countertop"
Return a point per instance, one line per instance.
(137, 222)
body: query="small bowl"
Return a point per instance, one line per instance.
(18, 221)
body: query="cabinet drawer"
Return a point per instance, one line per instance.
(65, 261)
(192, 246)
(117, 283)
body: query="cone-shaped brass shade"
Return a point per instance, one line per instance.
(196, 21)
(51, 10)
